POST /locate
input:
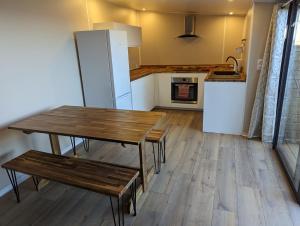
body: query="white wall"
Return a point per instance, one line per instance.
(38, 63)
(103, 11)
(38, 66)
(260, 18)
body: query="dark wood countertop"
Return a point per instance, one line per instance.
(201, 68)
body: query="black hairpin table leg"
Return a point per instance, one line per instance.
(73, 145)
(86, 144)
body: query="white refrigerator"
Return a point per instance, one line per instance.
(104, 68)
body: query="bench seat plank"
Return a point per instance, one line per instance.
(156, 135)
(92, 175)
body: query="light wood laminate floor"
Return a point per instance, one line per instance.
(209, 179)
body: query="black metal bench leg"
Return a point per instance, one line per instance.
(119, 212)
(13, 180)
(73, 145)
(36, 182)
(86, 144)
(120, 209)
(133, 196)
(159, 147)
(154, 157)
(164, 151)
(112, 210)
(123, 207)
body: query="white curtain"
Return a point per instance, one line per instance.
(264, 109)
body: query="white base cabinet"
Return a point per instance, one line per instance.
(143, 93)
(163, 83)
(224, 107)
(155, 90)
(222, 102)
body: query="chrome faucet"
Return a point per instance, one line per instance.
(236, 65)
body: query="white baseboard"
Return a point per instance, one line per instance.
(22, 177)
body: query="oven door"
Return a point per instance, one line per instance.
(185, 93)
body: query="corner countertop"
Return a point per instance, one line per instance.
(201, 68)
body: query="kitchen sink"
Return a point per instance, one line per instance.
(225, 73)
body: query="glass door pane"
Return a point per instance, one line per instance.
(289, 131)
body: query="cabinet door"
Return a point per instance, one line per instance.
(134, 36)
(224, 107)
(120, 62)
(164, 89)
(143, 93)
(134, 33)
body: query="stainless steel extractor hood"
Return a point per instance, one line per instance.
(189, 27)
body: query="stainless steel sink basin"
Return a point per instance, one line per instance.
(225, 73)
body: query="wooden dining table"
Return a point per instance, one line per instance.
(120, 126)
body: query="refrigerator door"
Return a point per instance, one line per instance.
(94, 60)
(124, 102)
(119, 62)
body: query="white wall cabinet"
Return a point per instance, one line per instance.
(224, 107)
(134, 33)
(143, 93)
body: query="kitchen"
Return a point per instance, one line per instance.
(121, 67)
(183, 86)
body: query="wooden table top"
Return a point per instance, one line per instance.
(96, 176)
(123, 126)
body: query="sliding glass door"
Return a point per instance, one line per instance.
(287, 131)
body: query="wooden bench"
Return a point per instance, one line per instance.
(104, 178)
(158, 137)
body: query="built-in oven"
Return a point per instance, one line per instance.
(184, 90)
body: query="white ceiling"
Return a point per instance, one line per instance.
(206, 7)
